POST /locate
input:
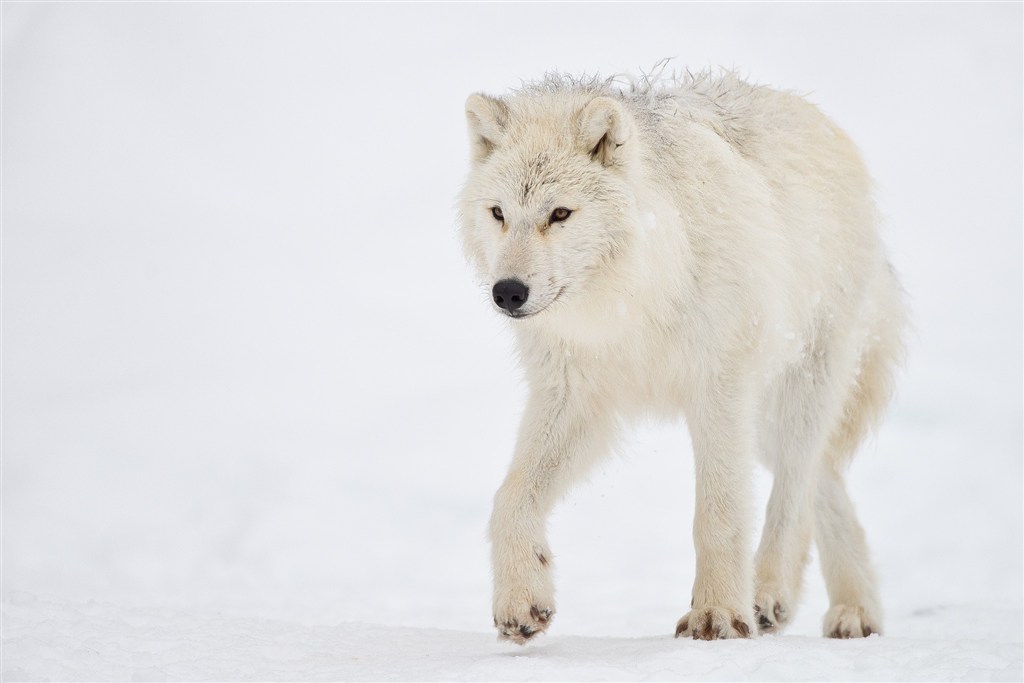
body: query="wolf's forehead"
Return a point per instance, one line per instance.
(535, 173)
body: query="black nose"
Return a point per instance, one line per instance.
(510, 294)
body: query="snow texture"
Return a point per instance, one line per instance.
(255, 408)
(159, 645)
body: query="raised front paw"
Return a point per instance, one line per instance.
(714, 623)
(524, 592)
(523, 625)
(850, 621)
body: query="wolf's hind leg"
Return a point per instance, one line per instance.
(803, 409)
(783, 552)
(855, 609)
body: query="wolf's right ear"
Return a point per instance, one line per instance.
(487, 118)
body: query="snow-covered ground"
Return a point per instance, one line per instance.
(68, 640)
(255, 409)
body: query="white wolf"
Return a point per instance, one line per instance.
(705, 248)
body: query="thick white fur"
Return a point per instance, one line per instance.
(722, 263)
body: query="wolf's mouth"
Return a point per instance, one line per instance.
(518, 314)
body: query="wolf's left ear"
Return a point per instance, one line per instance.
(487, 118)
(606, 131)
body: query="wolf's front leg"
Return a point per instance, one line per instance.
(563, 431)
(723, 590)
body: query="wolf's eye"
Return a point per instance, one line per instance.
(560, 214)
(498, 215)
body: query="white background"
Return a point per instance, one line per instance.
(252, 394)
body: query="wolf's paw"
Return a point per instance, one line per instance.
(714, 623)
(770, 612)
(522, 627)
(524, 595)
(850, 621)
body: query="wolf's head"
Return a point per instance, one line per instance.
(547, 206)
